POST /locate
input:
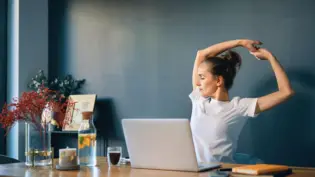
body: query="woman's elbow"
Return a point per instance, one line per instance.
(201, 54)
(289, 93)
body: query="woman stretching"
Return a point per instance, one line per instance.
(216, 119)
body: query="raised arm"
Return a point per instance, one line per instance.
(285, 90)
(216, 49)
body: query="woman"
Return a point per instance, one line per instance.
(217, 120)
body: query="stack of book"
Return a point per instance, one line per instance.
(261, 170)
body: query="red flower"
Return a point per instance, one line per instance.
(29, 108)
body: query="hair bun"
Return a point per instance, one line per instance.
(233, 58)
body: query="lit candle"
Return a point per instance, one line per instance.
(68, 157)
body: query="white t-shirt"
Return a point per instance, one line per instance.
(216, 125)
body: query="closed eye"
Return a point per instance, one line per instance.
(201, 76)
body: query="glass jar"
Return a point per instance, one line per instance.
(37, 144)
(87, 140)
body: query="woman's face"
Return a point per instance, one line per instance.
(207, 82)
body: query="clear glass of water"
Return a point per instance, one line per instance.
(114, 155)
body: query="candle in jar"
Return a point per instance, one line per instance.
(68, 157)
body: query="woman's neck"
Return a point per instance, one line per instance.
(221, 95)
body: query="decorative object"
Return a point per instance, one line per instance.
(29, 108)
(38, 150)
(68, 159)
(87, 140)
(82, 103)
(63, 88)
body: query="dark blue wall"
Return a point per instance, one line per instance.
(140, 54)
(3, 63)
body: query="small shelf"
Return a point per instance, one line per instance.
(69, 132)
(65, 132)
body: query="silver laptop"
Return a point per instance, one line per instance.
(164, 144)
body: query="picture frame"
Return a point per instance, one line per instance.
(83, 102)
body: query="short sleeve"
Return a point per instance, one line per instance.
(247, 106)
(195, 95)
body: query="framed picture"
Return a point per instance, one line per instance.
(74, 111)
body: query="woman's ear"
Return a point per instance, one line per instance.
(220, 81)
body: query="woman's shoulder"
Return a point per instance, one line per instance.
(245, 105)
(238, 101)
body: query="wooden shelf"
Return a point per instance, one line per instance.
(65, 132)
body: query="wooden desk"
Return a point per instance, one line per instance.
(19, 169)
